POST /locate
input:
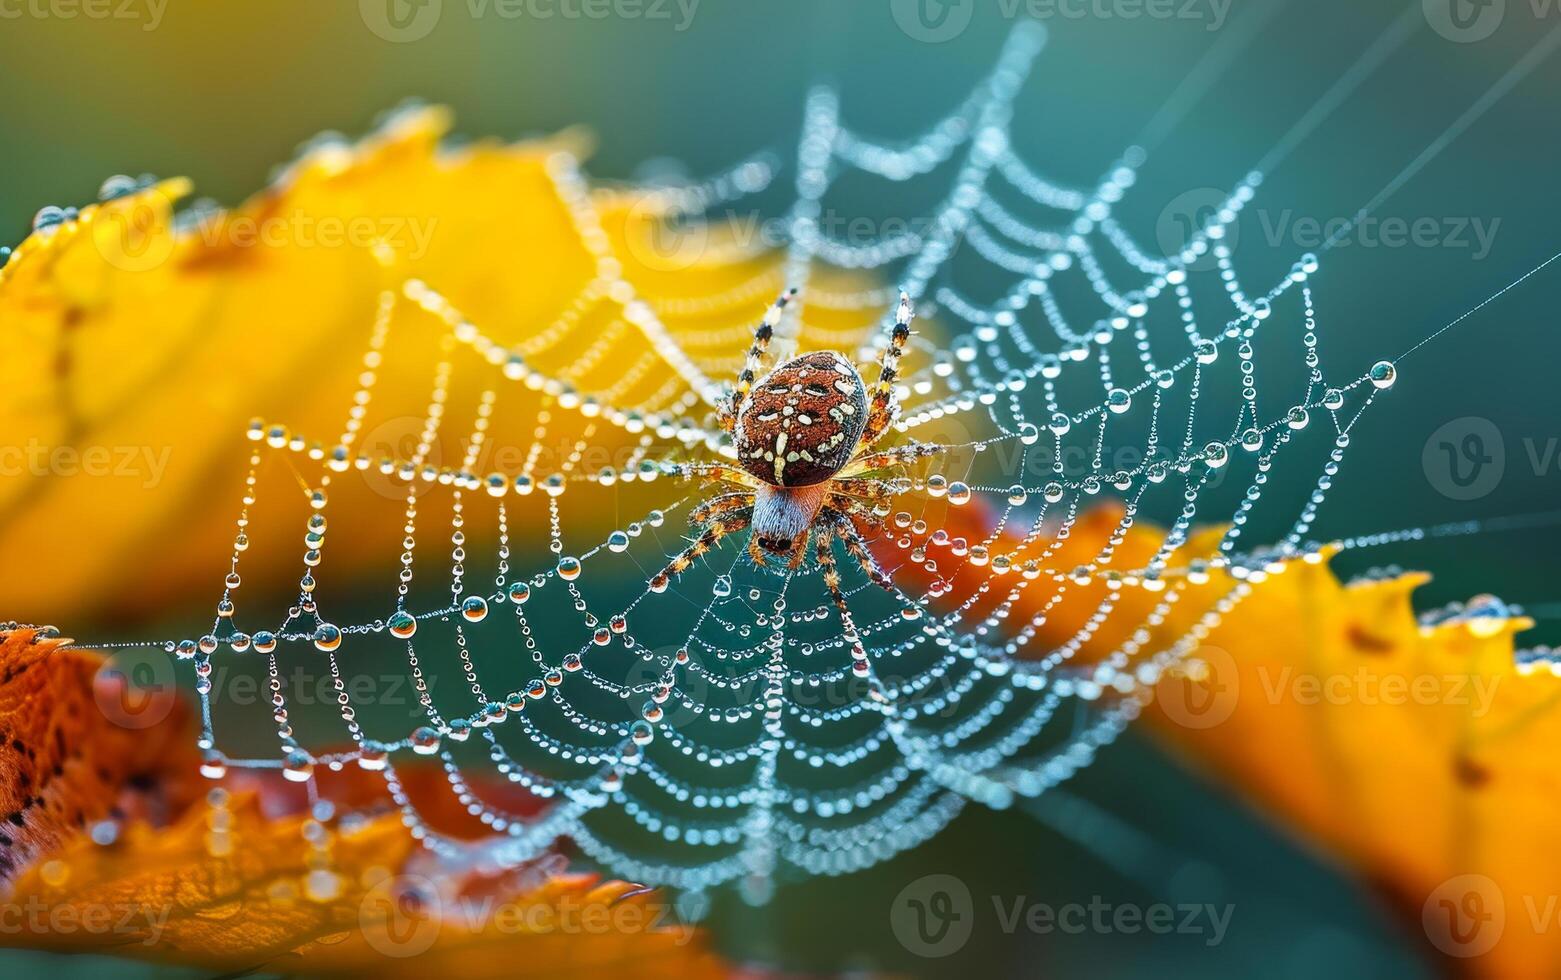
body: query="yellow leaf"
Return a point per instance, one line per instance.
(140, 349)
(1422, 756)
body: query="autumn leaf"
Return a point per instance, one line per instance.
(1420, 755)
(231, 889)
(264, 879)
(79, 743)
(140, 345)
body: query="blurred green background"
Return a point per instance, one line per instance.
(224, 93)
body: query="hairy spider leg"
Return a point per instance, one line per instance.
(848, 630)
(869, 462)
(706, 541)
(847, 531)
(712, 473)
(882, 409)
(762, 334)
(719, 506)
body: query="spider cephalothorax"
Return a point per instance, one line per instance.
(804, 437)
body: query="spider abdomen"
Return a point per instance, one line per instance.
(802, 421)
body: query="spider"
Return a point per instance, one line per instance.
(806, 436)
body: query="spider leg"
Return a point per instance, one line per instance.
(847, 531)
(719, 506)
(826, 562)
(870, 490)
(799, 550)
(882, 409)
(868, 462)
(706, 541)
(756, 553)
(718, 473)
(761, 343)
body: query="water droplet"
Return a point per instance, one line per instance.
(569, 569)
(425, 741)
(474, 608)
(327, 637)
(373, 756)
(1383, 374)
(214, 765)
(298, 766)
(50, 218)
(618, 541)
(1206, 351)
(1118, 400)
(402, 624)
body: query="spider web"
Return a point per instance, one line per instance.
(717, 732)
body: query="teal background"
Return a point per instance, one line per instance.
(223, 94)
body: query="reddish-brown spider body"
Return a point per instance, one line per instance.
(801, 423)
(804, 437)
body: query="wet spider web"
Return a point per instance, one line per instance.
(720, 731)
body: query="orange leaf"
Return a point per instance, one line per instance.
(230, 889)
(79, 744)
(237, 886)
(1421, 755)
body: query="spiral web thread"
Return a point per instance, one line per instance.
(762, 733)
